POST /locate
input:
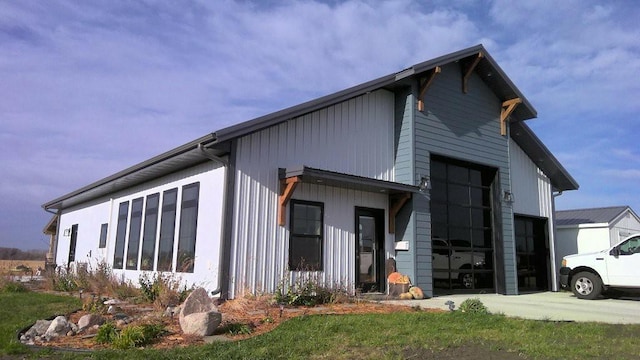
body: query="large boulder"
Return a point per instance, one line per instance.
(201, 323)
(89, 320)
(38, 329)
(58, 327)
(199, 314)
(198, 301)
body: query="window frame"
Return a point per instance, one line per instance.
(188, 235)
(295, 261)
(104, 230)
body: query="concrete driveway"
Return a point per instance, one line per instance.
(550, 306)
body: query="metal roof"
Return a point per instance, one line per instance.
(604, 215)
(347, 181)
(190, 153)
(487, 69)
(173, 160)
(560, 178)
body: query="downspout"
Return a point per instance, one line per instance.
(227, 201)
(554, 276)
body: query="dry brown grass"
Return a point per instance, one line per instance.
(6, 266)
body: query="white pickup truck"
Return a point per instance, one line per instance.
(616, 268)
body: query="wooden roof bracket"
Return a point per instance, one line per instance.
(396, 203)
(507, 108)
(466, 73)
(287, 186)
(425, 83)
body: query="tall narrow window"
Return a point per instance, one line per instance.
(188, 226)
(167, 230)
(305, 241)
(121, 230)
(74, 241)
(103, 236)
(134, 234)
(149, 235)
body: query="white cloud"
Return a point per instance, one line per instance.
(98, 86)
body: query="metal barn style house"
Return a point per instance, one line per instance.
(432, 166)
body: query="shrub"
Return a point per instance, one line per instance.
(237, 329)
(13, 287)
(106, 333)
(473, 306)
(162, 290)
(130, 336)
(308, 291)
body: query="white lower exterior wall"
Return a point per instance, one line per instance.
(259, 256)
(533, 196)
(89, 218)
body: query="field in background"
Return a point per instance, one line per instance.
(7, 265)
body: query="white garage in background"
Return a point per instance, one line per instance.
(589, 230)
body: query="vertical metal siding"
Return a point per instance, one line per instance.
(464, 126)
(530, 186)
(354, 137)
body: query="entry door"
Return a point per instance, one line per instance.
(370, 249)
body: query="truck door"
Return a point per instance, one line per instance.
(623, 263)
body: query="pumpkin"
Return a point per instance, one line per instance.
(416, 292)
(406, 296)
(394, 278)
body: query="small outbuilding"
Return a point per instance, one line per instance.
(594, 229)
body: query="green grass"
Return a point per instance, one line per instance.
(21, 309)
(373, 336)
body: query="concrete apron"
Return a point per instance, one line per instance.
(548, 306)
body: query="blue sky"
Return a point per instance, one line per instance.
(88, 88)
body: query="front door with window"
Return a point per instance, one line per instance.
(370, 249)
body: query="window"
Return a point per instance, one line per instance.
(149, 235)
(72, 246)
(123, 213)
(631, 246)
(103, 236)
(134, 234)
(306, 233)
(167, 230)
(188, 226)
(461, 225)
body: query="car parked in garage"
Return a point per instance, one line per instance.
(617, 268)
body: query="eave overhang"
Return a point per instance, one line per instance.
(560, 178)
(398, 193)
(182, 157)
(346, 181)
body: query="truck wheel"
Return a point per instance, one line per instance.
(586, 285)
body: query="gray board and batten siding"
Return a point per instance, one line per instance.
(459, 126)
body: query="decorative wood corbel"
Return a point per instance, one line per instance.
(396, 203)
(425, 83)
(507, 108)
(466, 72)
(287, 186)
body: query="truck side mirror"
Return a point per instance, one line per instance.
(615, 251)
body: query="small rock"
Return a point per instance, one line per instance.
(70, 333)
(113, 302)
